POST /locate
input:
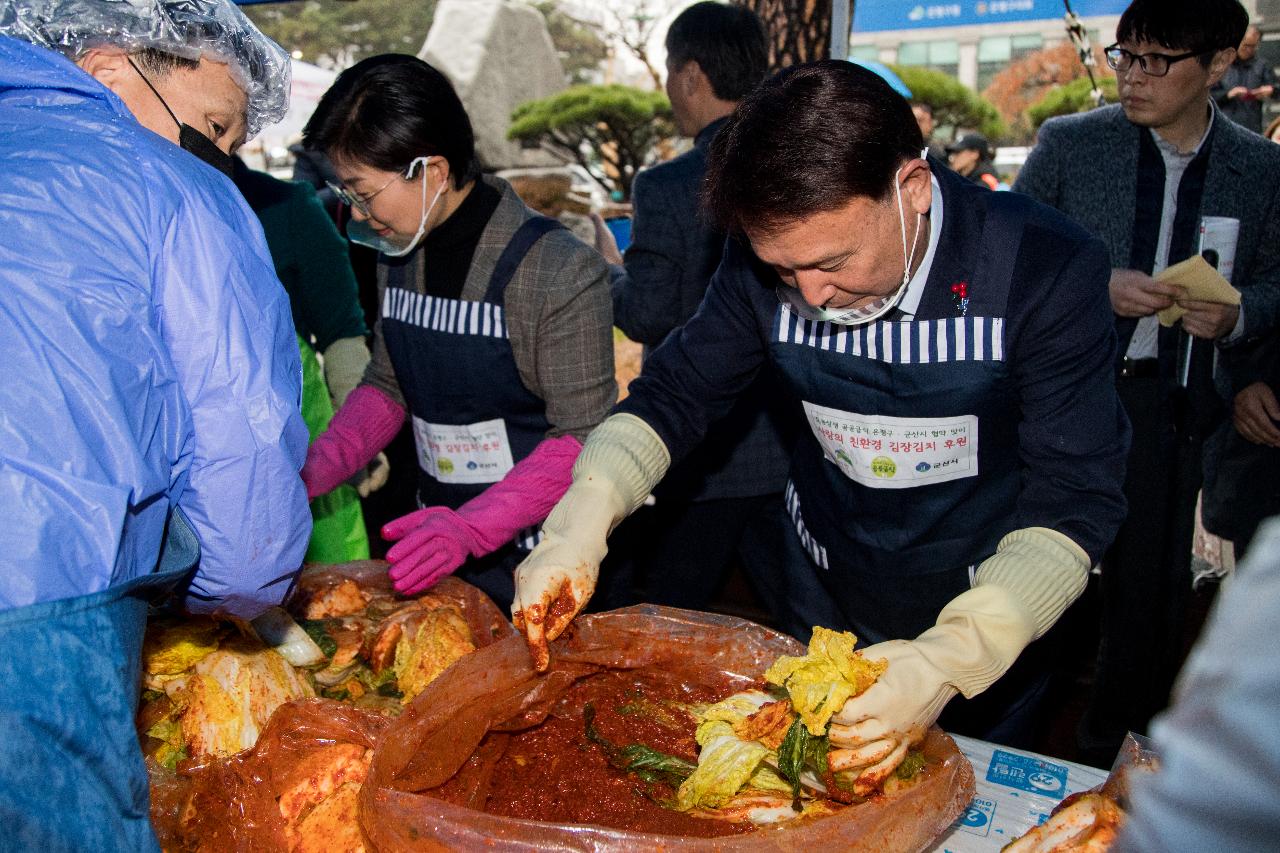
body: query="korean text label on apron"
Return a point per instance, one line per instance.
(473, 417)
(463, 453)
(910, 463)
(468, 433)
(877, 490)
(884, 452)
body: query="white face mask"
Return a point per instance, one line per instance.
(393, 245)
(877, 308)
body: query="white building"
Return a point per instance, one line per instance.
(973, 40)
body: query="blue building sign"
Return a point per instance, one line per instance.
(871, 16)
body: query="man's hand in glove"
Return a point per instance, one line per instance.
(1021, 591)
(557, 579)
(371, 477)
(620, 464)
(871, 734)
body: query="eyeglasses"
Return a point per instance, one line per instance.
(350, 199)
(1152, 64)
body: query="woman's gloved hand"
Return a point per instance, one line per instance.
(435, 541)
(620, 464)
(344, 363)
(1021, 591)
(432, 543)
(365, 424)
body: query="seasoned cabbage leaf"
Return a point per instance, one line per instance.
(230, 695)
(170, 649)
(725, 765)
(443, 638)
(820, 682)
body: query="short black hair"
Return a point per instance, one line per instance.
(808, 140)
(1194, 26)
(727, 42)
(388, 110)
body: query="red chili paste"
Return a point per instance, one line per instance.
(553, 773)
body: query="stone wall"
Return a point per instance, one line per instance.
(498, 55)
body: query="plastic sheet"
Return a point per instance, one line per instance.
(1091, 820)
(1137, 756)
(488, 624)
(448, 740)
(232, 804)
(186, 28)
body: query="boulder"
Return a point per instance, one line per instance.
(497, 54)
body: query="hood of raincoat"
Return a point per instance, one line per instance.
(149, 356)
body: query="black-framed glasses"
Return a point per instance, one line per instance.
(1152, 64)
(350, 199)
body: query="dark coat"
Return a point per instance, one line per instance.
(1056, 339)
(1246, 112)
(1087, 166)
(670, 261)
(310, 257)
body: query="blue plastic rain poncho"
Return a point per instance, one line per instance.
(150, 377)
(150, 358)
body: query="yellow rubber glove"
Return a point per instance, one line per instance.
(621, 462)
(1021, 592)
(344, 362)
(371, 477)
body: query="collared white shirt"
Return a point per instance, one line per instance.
(1145, 341)
(910, 303)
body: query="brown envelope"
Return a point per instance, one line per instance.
(1200, 282)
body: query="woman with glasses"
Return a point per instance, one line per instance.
(494, 338)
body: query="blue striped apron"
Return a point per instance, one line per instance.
(910, 472)
(473, 417)
(73, 778)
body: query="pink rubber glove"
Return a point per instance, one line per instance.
(365, 424)
(435, 541)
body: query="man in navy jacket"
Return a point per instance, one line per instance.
(948, 350)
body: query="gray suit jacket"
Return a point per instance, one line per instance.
(1086, 166)
(559, 318)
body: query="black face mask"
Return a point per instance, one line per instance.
(202, 146)
(191, 139)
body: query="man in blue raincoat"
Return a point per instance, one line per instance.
(149, 405)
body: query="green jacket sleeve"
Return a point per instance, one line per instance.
(323, 286)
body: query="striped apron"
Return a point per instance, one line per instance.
(473, 418)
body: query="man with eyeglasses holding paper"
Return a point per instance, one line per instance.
(1147, 176)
